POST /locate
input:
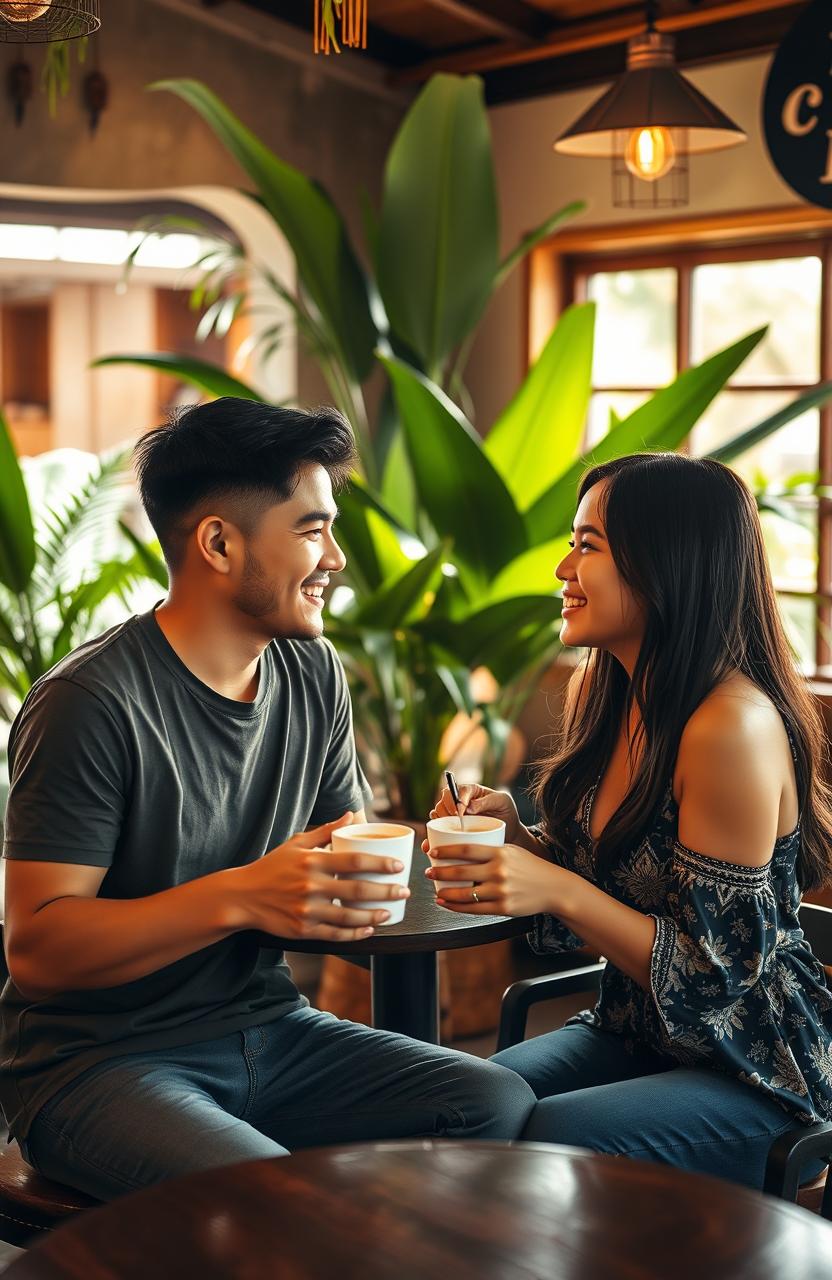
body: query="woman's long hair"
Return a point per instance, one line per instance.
(686, 539)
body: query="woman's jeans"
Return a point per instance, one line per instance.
(593, 1093)
(304, 1080)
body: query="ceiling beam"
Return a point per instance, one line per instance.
(235, 21)
(742, 38)
(581, 37)
(507, 19)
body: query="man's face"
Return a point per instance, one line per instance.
(288, 560)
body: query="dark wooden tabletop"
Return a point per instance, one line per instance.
(419, 1210)
(426, 927)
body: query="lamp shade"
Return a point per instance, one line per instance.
(40, 21)
(652, 92)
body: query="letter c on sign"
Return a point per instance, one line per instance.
(791, 109)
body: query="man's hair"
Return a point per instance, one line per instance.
(240, 454)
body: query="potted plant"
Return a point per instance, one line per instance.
(452, 538)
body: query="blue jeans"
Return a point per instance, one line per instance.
(304, 1080)
(593, 1093)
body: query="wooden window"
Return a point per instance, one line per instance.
(670, 294)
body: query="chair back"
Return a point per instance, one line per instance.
(816, 923)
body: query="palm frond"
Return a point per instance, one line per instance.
(114, 578)
(79, 524)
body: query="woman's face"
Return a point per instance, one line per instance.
(599, 609)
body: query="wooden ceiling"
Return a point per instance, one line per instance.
(525, 48)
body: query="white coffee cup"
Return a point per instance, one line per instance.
(384, 840)
(477, 829)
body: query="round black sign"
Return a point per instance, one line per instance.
(797, 106)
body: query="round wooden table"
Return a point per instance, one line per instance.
(403, 956)
(419, 1210)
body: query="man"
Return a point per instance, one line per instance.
(171, 782)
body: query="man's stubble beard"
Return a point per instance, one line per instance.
(257, 598)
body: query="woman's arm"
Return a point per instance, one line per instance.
(728, 811)
(620, 933)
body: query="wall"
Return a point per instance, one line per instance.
(335, 131)
(533, 181)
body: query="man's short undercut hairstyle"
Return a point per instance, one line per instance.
(240, 456)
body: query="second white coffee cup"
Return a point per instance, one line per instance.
(383, 840)
(478, 829)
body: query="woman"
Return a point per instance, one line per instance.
(682, 817)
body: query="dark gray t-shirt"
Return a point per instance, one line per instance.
(121, 758)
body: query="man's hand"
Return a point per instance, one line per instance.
(290, 891)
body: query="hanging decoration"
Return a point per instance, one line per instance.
(42, 21)
(334, 19)
(96, 96)
(648, 123)
(19, 85)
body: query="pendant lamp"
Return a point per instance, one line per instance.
(648, 123)
(40, 21)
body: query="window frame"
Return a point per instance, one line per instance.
(556, 275)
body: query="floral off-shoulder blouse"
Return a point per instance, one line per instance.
(734, 984)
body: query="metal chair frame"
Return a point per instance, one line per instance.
(791, 1152)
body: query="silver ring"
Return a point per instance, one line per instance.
(474, 895)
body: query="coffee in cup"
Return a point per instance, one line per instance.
(383, 839)
(477, 829)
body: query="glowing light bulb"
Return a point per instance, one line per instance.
(650, 153)
(23, 10)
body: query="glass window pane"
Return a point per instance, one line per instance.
(792, 545)
(635, 332)
(790, 451)
(729, 299)
(602, 405)
(799, 619)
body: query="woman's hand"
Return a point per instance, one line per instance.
(508, 880)
(481, 801)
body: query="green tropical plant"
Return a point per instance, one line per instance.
(56, 77)
(62, 558)
(452, 539)
(433, 246)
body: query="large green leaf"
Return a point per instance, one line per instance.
(17, 538)
(397, 480)
(199, 373)
(531, 573)
(464, 496)
(438, 236)
(662, 422)
(520, 652)
(477, 639)
(541, 428)
(747, 439)
(407, 597)
(370, 538)
(327, 265)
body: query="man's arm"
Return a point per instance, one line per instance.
(61, 937)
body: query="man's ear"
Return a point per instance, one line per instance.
(212, 537)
